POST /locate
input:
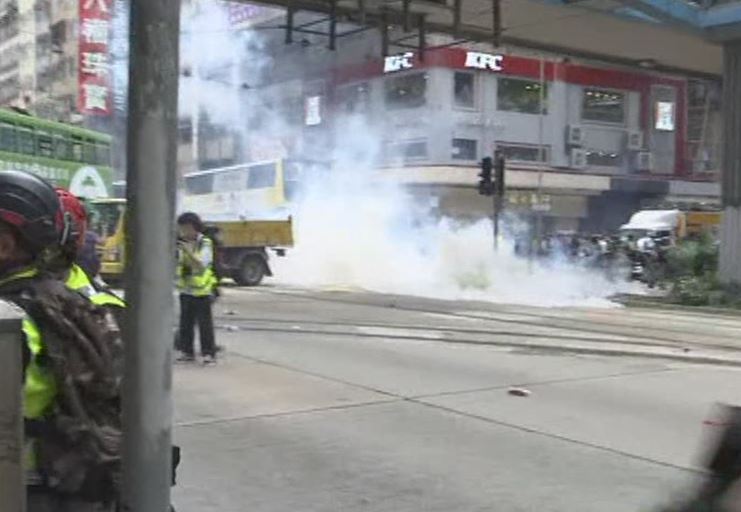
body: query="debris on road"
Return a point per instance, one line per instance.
(519, 392)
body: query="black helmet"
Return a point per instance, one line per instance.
(30, 204)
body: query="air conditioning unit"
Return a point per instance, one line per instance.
(574, 135)
(578, 158)
(644, 161)
(634, 140)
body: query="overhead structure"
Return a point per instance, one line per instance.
(715, 20)
(582, 28)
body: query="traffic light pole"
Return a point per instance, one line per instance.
(495, 219)
(495, 189)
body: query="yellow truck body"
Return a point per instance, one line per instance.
(699, 222)
(255, 233)
(242, 248)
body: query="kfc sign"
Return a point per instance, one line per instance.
(94, 69)
(478, 60)
(398, 62)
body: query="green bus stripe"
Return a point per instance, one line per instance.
(52, 126)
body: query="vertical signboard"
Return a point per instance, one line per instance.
(94, 80)
(313, 111)
(664, 116)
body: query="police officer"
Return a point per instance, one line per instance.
(196, 283)
(31, 224)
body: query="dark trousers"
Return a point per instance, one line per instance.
(196, 310)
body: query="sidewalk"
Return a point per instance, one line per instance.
(223, 415)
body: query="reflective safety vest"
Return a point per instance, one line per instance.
(190, 282)
(39, 387)
(79, 282)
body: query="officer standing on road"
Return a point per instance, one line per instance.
(196, 284)
(71, 406)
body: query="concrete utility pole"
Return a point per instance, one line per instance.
(151, 160)
(730, 248)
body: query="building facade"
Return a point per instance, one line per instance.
(589, 141)
(39, 66)
(597, 139)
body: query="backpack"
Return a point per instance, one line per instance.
(79, 441)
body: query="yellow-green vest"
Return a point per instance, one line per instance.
(200, 284)
(79, 282)
(39, 387)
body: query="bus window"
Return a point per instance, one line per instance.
(7, 137)
(228, 181)
(104, 217)
(199, 184)
(88, 152)
(261, 176)
(291, 183)
(76, 149)
(62, 149)
(44, 146)
(103, 152)
(25, 140)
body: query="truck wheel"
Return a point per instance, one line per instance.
(250, 272)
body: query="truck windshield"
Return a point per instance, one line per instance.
(104, 217)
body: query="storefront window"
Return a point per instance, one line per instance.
(524, 152)
(353, 99)
(515, 95)
(463, 84)
(603, 158)
(603, 106)
(293, 110)
(464, 149)
(406, 91)
(407, 150)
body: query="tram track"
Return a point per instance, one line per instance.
(581, 329)
(522, 342)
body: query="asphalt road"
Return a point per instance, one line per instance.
(345, 401)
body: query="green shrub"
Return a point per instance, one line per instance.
(696, 258)
(692, 290)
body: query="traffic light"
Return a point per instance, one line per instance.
(486, 188)
(499, 173)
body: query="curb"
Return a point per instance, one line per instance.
(637, 301)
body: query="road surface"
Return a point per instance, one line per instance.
(351, 401)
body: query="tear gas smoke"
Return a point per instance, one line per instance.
(354, 231)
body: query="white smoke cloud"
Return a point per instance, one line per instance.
(351, 233)
(351, 230)
(220, 64)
